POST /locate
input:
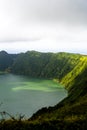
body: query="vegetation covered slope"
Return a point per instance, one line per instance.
(71, 70)
(46, 65)
(36, 64)
(6, 61)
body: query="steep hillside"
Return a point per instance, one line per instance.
(75, 72)
(46, 65)
(36, 64)
(6, 61)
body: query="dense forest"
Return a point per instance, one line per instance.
(70, 70)
(36, 64)
(6, 61)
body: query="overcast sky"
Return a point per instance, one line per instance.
(43, 25)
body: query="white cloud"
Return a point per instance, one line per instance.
(70, 40)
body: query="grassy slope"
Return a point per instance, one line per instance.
(70, 78)
(70, 114)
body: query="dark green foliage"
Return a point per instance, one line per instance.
(6, 61)
(46, 65)
(31, 63)
(36, 64)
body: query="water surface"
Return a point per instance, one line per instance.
(21, 94)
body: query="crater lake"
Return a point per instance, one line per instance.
(25, 95)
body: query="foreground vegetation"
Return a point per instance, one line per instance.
(70, 70)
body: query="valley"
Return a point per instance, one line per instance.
(68, 69)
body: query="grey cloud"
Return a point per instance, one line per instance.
(65, 11)
(18, 16)
(12, 40)
(50, 10)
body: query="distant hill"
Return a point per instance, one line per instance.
(6, 60)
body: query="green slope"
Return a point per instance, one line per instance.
(69, 79)
(6, 61)
(46, 65)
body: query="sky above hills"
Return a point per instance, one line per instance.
(43, 25)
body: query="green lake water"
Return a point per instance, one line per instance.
(21, 94)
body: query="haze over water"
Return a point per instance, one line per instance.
(21, 94)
